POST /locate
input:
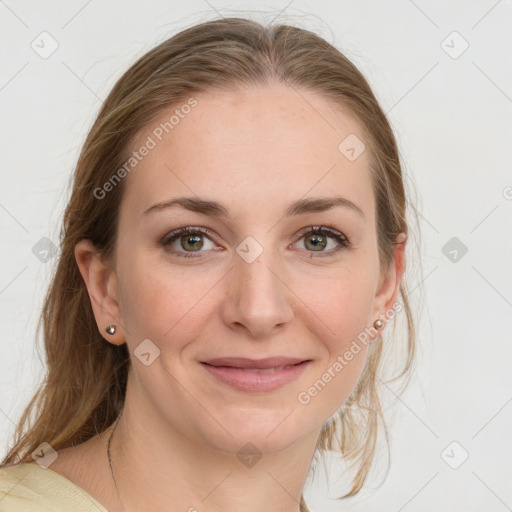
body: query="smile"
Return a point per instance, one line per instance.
(256, 379)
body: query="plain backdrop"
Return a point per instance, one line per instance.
(442, 72)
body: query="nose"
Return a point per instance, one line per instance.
(258, 300)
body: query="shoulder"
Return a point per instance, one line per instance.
(20, 487)
(29, 487)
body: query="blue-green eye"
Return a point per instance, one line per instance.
(318, 238)
(191, 241)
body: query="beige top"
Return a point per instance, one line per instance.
(29, 487)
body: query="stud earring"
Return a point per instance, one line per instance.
(378, 324)
(111, 329)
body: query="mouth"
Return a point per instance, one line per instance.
(261, 370)
(256, 375)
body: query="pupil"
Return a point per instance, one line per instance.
(317, 241)
(196, 238)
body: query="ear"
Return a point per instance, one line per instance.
(389, 285)
(101, 283)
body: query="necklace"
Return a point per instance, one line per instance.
(110, 459)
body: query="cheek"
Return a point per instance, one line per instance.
(161, 303)
(345, 309)
(344, 305)
(343, 302)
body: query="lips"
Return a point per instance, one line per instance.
(268, 363)
(256, 375)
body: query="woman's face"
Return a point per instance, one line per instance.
(253, 282)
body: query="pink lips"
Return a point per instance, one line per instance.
(256, 374)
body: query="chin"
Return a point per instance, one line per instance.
(268, 430)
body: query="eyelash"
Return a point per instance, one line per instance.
(343, 241)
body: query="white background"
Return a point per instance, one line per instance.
(452, 119)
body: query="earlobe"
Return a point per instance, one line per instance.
(389, 286)
(100, 281)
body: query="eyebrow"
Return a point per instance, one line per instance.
(215, 209)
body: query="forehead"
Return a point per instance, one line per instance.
(251, 148)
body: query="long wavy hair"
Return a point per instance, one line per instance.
(84, 385)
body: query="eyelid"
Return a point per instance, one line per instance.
(175, 233)
(321, 229)
(338, 236)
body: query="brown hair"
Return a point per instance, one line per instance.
(84, 387)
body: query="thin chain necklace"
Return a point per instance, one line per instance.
(110, 459)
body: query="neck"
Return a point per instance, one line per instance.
(193, 477)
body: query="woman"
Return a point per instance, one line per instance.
(231, 253)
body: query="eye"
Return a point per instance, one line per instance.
(187, 241)
(317, 238)
(188, 238)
